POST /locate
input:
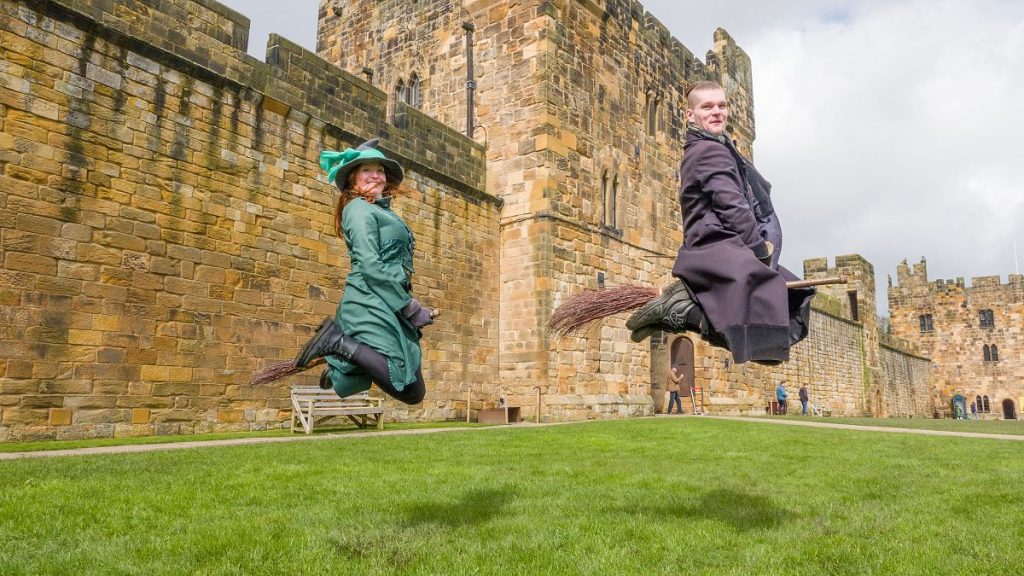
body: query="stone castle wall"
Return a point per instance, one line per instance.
(166, 229)
(908, 391)
(957, 339)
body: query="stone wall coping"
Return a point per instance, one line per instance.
(239, 70)
(893, 348)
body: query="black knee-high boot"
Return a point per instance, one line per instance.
(328, 340)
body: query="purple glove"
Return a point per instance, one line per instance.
(418, 315)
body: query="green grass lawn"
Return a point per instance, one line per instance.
(342, 428)
(1015, 427)
(642, 496)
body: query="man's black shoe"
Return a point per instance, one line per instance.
(655, 311)
(673, 311)
(683, 316)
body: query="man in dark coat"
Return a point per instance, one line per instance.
(733, 292)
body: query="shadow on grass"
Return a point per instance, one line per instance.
(389, 545)
(475, 507)
(740, 510)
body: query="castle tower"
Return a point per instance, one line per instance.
(856, 299)
(972, 332)
(580, 105)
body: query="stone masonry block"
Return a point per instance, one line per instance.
(230, 415)
(140, 415)
(59, 417)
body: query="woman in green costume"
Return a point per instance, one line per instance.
(375, 334)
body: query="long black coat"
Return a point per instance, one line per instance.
(751, 312)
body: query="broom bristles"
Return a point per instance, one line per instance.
(275, 371)
(591, 305)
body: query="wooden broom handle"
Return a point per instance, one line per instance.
(816, 282)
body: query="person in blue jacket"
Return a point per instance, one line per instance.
(781, 396)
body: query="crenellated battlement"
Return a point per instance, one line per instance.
(857, 295)
(914, 279)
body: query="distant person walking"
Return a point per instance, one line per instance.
(675, 378)
(803, 400)
(781, 397)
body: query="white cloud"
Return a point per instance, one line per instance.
(894, 134)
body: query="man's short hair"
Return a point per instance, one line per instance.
(698, 86)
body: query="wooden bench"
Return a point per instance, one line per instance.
(819, 410)
(310, 403)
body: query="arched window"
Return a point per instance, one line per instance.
(977, 403)
(651, 113)
(995, 353)
(414, 91)
(926, 322)
(986, 319)
(987, 353)
(402, 92)
(987, 408)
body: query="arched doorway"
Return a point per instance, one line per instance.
(682, 357)
(1009, 412)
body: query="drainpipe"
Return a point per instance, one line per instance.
(470, 83)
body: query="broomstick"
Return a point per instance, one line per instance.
(283, 368)
(592, 305)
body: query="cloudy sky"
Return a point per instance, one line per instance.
(889, 128)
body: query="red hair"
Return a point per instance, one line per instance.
(349, 194)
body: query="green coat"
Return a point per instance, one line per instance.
(380, 248)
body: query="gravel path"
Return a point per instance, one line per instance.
(126, 449)
(819, 424)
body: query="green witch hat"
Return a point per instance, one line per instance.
(339, 164)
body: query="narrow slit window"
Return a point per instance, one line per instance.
(613, 199)
(604, 197)
(414, 91)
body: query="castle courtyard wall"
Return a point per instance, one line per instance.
(167, 230)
